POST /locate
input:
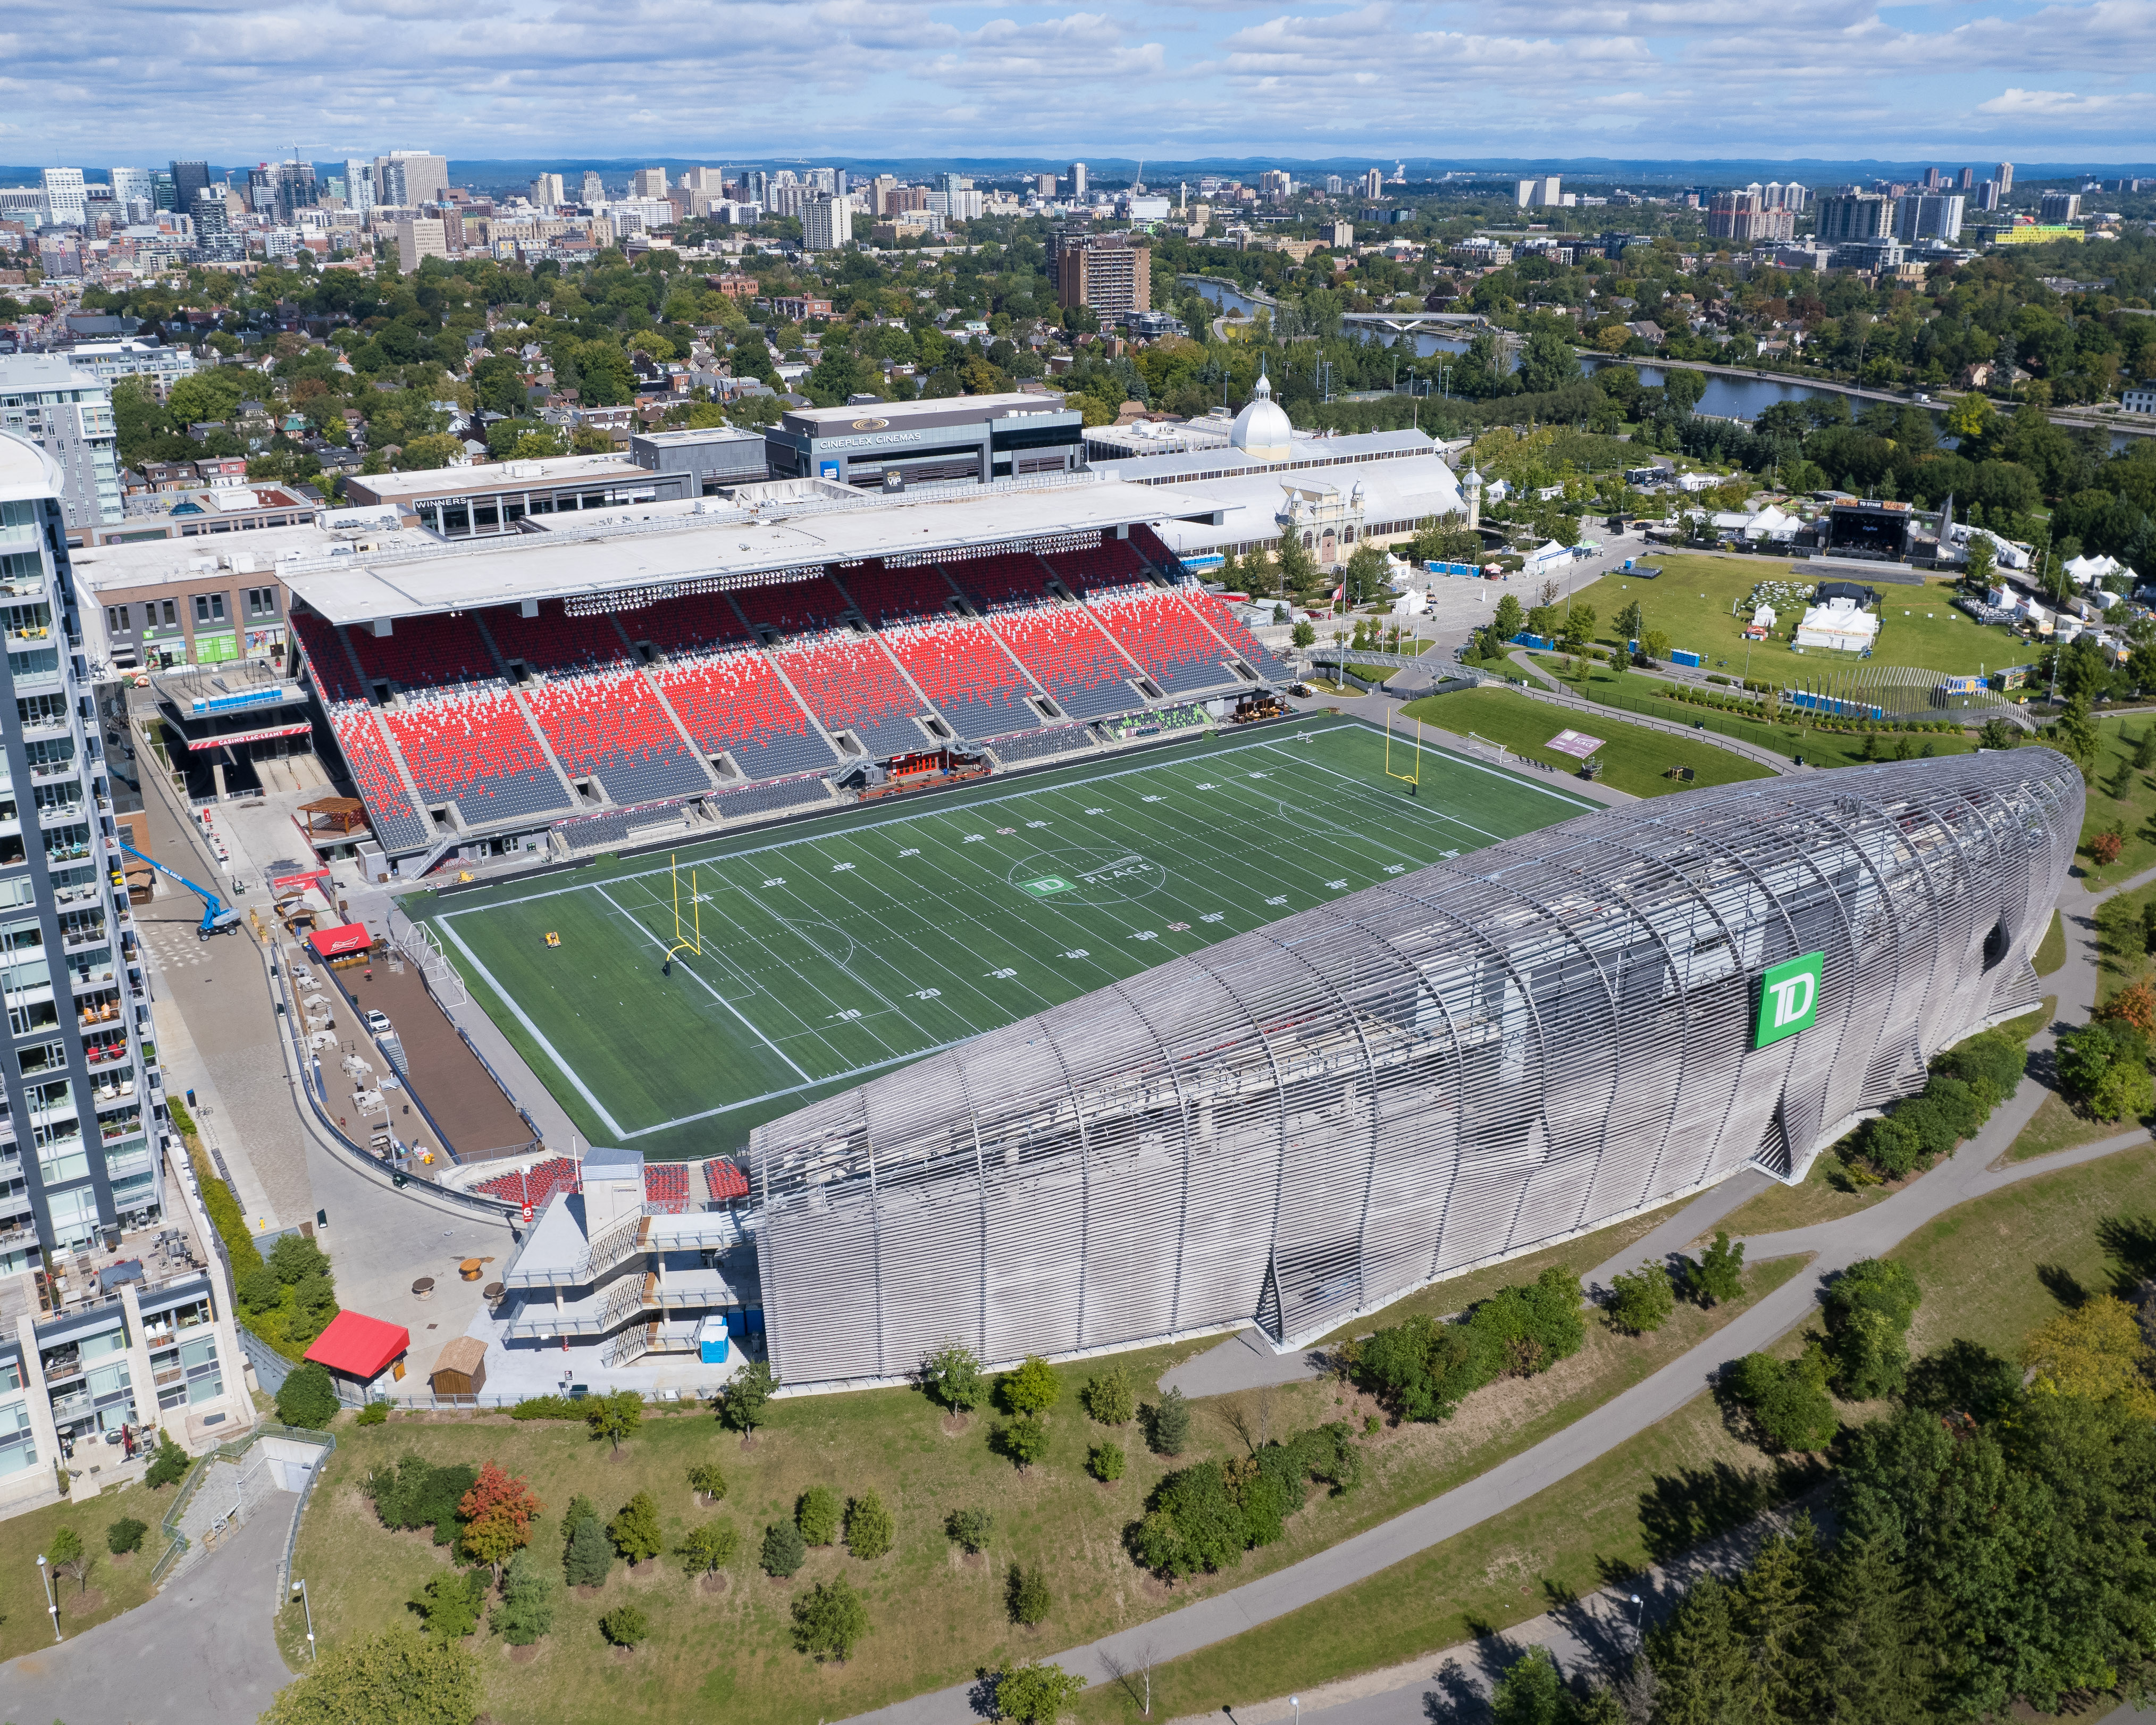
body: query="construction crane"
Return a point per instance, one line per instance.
(218, 917)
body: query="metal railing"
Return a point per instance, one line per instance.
(230, 1450)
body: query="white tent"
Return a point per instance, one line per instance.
(1545, 555)
(1838, 625)
(2084, 571)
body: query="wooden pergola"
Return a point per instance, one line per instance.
(343, 813)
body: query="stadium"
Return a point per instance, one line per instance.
(1147, 1024)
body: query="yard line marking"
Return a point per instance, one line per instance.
(538, 1035)
(708, 989)
(794, 1090)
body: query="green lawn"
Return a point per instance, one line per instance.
(114, 1584)
(1634, 758)
(1691, 603)
(859, 942)
(2119, 795)
(934, 1619)
(2051, 950)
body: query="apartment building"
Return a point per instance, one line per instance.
(1106, 271)
(58, 408)
(827, 224)
(419, 237)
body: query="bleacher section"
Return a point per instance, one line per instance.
(807, 791)
(1231, 628)
(475, 750)
(735, 703)
(1064, 740)
(424, 653)
(397, 825)
(1064, 650)
(533, 1185)
(724, 1179)
(1164, 635)
(666, 1185)
(1112, 564)
(847, 680)
(607, 724)
(992, 583)
(959, 664)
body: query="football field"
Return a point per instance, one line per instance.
(808, 957)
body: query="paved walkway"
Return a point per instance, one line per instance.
(201, 1652)
(1974, 1171)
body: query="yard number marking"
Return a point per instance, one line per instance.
(1277, 901)
(1214, 917)
(1077, 952)
(916, 851)
(776, 880)
(850, 1013)
(840, 868)
(1396, 868)
(927, 993)
(1004, 974)
(1337, 886)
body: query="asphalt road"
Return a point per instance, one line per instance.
(201, 1652)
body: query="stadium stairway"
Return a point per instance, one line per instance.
(1160, 632)
(955, 662)
(850, 681)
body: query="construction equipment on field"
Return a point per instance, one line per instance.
(218, 917)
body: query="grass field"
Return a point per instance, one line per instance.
(113, 1585)
(1691, 604)
(856, 944)
(1634, 758)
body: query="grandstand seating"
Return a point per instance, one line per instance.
(886, 597)
(964, 671)
(849, 684)
(533, 1185)
(794, 608)
(1112, 564)
(334, 681)
(1006, 578)
(608, 724)
(1064, 650)
(397, 825)
(1163, 633)
(695, 622)
(666, 1184)
(1231, 628)
(475, 750)
(424, 653)
(724, 1179)
(735, 702)
(554, 640)
(1041, 745)
(806, 791)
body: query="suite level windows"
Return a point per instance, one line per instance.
(209, 607)
(261, 602)
(118, 620)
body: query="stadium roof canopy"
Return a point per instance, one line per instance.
(780, 530)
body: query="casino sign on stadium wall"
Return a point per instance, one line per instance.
(1789, 999)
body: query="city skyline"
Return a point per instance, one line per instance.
(1695, 79)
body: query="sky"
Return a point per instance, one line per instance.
(95, 82)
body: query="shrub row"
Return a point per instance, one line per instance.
(1967, 1082)
(1421, 1369)
(1206, 1516)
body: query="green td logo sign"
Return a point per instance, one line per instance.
(1789, 999)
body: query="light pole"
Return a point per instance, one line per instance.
(1296, 1702)
(1638, 1612)
(52, 1601)
(299, 1587)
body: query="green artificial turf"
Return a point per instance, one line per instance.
(853, 944)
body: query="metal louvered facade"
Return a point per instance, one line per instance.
(1306, 1122)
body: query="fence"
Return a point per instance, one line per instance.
(428, 1402)
(178, 1544)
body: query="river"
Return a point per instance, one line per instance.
(1726, 398)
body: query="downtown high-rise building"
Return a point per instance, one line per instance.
(64, 197)
(66, 413)
(1078, 182)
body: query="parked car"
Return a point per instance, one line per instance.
(379, 1025)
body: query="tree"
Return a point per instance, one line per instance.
(1717, 1274)
(1033, 1387)
(587, 1556)
(1997, 734)
(450, 1604)
(1868, 1310)
(1787, 1399)
(707, 1482)
(1979, 561)
(69, 1557)
(307, 1398)
(1505, 622)
(705, 1548)
(1867, 1649)
(1025, 1591)
(1298, 568)
(869, 1528)
(497, 1515)
(2104, 1065)
(395, 1678)
(2095, 1351)
(747, 1397)
(170, 1465)
(1171, 1423)
(635, 1530)
(431, 449)
(784, 1550)
(1654, 644)
(969, 1529)
(1105, 1462)
(1699, 1658)
(126, 1535)
(1530, 1693)
(2075, 735)
(816, 1514)
(1578, 627)
(1642, 1301)
(1773, 1611)
(1630, 621)
(1523, 1330)
(1303, 634)
(295, 1257)
(953, 1375)
(259, 1290)
(615, 1417)
(1024, 1440)
(1035, 1692)
(626, 1626)
(525, 1610)
(829, 1621)
(1110, 1397)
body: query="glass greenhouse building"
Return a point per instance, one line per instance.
(1490, 1056)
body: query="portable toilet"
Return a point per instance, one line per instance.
(712, 1340)
(736, 1324)
(755, 1319)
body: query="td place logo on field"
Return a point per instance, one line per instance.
(1789, 999)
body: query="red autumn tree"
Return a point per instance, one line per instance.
(497, 1515)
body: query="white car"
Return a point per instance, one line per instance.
(379, 1025)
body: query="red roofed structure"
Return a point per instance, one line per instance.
(360, 1348)
(334, 943)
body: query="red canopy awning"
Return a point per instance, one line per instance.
(331, 943)
(360, 1347)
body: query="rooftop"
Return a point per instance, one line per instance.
(936, 410)
(27, 471)
(358, 1345)
(45, 371)
(779, 531)
(494, 475)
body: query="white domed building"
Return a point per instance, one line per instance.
(1261, 430)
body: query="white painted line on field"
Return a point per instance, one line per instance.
(896, 1060)
(538, 1035)
(712, 991)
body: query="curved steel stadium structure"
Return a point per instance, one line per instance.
(1489, 1056)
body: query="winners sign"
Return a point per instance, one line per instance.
(1789, 999)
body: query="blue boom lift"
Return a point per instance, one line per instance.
(218, 917)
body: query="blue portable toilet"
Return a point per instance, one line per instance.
(737, 1326)
(755, 1318)
(712, 1347)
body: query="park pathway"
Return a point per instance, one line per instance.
(1976, 1170)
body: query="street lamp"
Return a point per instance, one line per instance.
(306, 1605)
(1296, 1702)
(1638, 1611)
(52, 1600)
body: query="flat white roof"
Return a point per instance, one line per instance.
(27, 471)
(496, 476)
(654, 546)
